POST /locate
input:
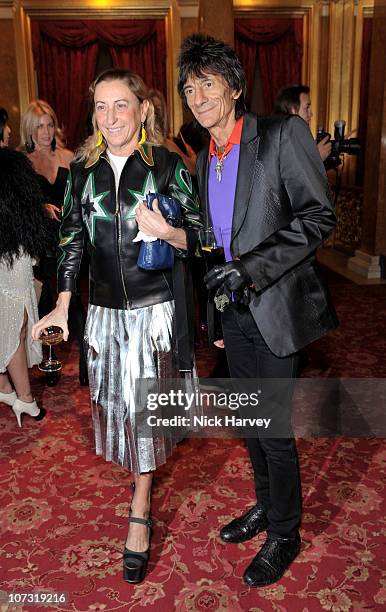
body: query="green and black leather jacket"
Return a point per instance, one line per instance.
(102, 216)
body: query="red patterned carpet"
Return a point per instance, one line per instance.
(63, 511)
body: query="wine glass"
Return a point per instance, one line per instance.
(49, 336)
(211, 245)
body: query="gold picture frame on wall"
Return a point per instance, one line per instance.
(25, 10)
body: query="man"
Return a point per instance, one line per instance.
(296, 100)
(263, 178)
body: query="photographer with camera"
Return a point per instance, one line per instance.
(295, 100)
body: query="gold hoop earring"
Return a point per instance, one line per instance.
(143, 135)
(100, 139)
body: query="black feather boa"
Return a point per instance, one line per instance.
(23, 224)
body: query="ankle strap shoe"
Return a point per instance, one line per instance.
(135, 563)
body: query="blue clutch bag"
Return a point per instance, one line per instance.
(159, 255)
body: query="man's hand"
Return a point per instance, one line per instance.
(324, 147)
(232, 275)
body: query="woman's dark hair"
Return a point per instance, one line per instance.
(3, 122)
(23, 225)
(201, 55)
(288, 99)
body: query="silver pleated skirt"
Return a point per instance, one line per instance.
(125, 347)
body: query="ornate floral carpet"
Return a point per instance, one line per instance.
(63, 510)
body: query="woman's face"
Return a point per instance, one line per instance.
(119, 114)
(6, 135)
(45, 131)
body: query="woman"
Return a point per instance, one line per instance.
(42, 141)
(23, 234)
(131, 324)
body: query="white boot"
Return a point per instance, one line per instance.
(30, 408)
(8, 398)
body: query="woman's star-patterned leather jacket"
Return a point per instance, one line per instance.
(102, 216)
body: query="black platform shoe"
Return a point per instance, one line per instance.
(245, 527)
(272, 560)
(135, 563)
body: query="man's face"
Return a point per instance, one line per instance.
(305, 107)
(211, 100)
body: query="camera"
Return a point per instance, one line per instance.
(339, 145)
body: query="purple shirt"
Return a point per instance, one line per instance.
(222, 197)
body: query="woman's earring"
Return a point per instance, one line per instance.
(143, 135)
(100, 139)
(53, 144)
(30, 146)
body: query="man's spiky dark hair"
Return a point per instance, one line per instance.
(201, 55)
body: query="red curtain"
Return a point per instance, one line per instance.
(65, 54)
(277, 44)
(364, 95)
(145, 55)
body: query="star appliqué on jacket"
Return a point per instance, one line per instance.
(149, 186)
(92, 208)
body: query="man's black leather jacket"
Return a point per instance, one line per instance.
(93, 212)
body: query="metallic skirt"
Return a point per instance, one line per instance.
(124, 348)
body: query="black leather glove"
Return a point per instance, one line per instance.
(232, 275)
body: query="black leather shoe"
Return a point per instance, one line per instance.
(245, 527)
(271, 561)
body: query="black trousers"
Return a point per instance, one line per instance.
(274, 460)
(46, 272)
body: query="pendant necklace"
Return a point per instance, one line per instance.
(220, 163)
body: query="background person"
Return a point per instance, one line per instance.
(23, 234)
(264, 178)
(161, 118)
(295, 100)
(5, 130)
(131, 322)
(43, 142)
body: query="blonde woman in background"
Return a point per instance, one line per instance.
(43, 143)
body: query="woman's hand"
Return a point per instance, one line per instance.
(152, 223)
(53, 212)
(58, 316)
